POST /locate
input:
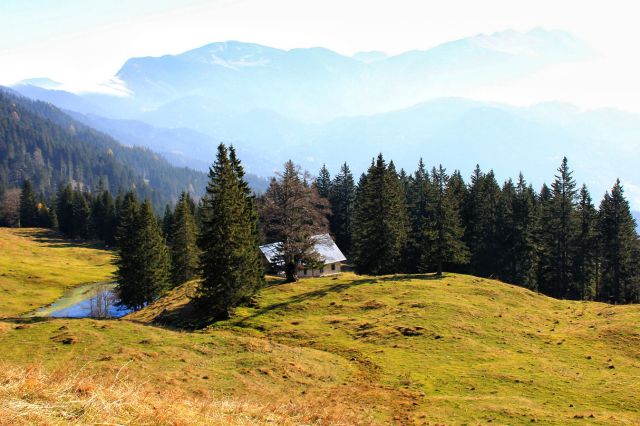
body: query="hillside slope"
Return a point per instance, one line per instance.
(342, 350)
(454, 350)
(43, 144)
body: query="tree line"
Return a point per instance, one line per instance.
(554, 241)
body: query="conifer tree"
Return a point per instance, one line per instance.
(380, 221)
(585, 261)
(64, 210)
(292, 213)
(229, 253)
(184, 249)
(143, 259)
(256, 268)
(153, 255)
(81, 216)
(443, 232)
(524, 251)
(618, 241)
(128, 274)
(418, 189)
(167, 222)
(28, 206)
(481, 223)
(103, 217)
(323, 182)
(342, 199)
(507, 234)
(559, 228)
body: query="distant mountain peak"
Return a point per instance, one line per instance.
(41, 82)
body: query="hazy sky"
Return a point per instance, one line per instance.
(83, 42)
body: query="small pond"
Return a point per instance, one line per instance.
(97, 300)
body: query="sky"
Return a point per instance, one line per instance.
(84, 42)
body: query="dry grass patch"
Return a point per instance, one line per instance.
(33, 396)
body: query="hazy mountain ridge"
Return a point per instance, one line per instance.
(258, 98)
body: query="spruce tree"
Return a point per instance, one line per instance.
(81, 216)
(379, 221)
(255, 268)
(482, 235)
(184, 249)
(507, 235)
(229, 253)
(103, 217)
(143, 259)
(524, 250)
(342, 199)
(153, 255)
(64, 210)
(585, 261)
(323, 182)
(28, 206)
(443, 231)
(559, 229)
(167, 222)
(618, 242)
(418, 189)
(128, 274)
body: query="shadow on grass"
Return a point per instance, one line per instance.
(336, 288)
(191, 316)
(25, 320)
(55, 239)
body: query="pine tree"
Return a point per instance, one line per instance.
(153, 255)
(525, 222)
(255, 268)
(64, 210)
(379, 221)
(292, 213)
(559, 229)
(507, 235)
(143, 259)
(229, 253)
(342, 199)
(128, 274)
(418, 189)
(28, 206)
(81, 216)
(184, 249)
(167, 222)
(443, 232)
(618, 241)
(481, 223)
(103, 217)
(585, 262)
(323, 182)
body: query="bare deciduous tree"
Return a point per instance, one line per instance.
(292, 212)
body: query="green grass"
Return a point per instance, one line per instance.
(37, 266)
(341, 350)
(458, 349)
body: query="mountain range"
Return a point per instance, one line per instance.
(316, 106)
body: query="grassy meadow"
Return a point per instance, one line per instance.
(37, 266)
(336, 350)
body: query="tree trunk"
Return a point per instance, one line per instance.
(291, 272)
(439, 273)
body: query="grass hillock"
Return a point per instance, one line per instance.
(457, 349)
(37, 266)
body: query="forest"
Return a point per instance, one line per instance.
(554, 241)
